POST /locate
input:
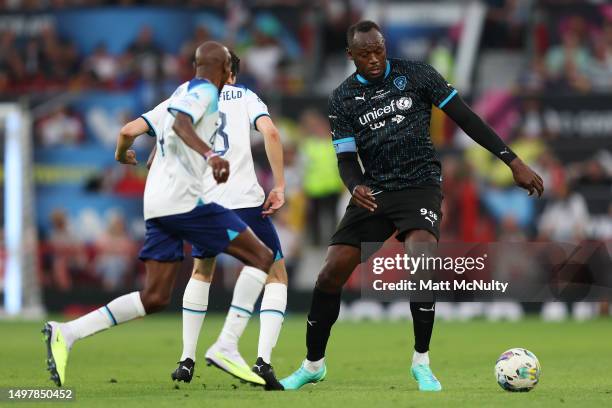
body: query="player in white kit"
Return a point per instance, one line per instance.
(175, 210)
(240, 110)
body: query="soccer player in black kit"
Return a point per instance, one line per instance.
(382, 113)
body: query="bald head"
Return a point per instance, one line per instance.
(212, 61)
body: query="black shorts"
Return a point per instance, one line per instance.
(417, 208)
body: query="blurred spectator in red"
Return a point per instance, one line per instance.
(115, 252)
(130, 182)
(462, 219)
(63, 127)
(67, 253)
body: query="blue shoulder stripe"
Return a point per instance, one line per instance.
(448, 98)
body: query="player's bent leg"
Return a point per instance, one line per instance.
(271, 316)
(159, 283)
(258, 259)
(278, 273)
(59, 337)
(195, 305)
(340, 262)
(423, 314)
(247, 248)
(204, 269)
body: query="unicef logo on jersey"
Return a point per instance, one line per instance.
(404, 103)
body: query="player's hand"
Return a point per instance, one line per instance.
(363, 197)
(274, 202)
(128, 157)
(526, 178)
(220, 168)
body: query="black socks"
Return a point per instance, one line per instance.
(423, 314)
(324, 311)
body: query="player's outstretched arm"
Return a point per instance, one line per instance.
(128, 133)
(482, 134)
(274, 151)
(183, 127)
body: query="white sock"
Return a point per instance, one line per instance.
(271, 316)
(313, 366)
(122, 309)
(420, 358)
(195, 303)
(247, 290)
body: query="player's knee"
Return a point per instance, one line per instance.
(260, 258)
(329, 280)
(203, 269)
(154, 301)
(264, 259)
(421, 242)
(278, 273)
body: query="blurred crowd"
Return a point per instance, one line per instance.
(107, 261)
(48, 62)
(569, 53)
(276, 55)
(42, 5)
(576, 55)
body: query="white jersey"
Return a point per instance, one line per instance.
(175, 181)
(239, 109)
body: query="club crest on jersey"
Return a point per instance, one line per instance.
(400, 82)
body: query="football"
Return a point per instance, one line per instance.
(517, 370)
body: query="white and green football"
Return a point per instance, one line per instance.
(517, 370)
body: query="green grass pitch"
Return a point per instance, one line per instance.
(368, 365)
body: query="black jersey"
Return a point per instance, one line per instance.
(387, 123)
